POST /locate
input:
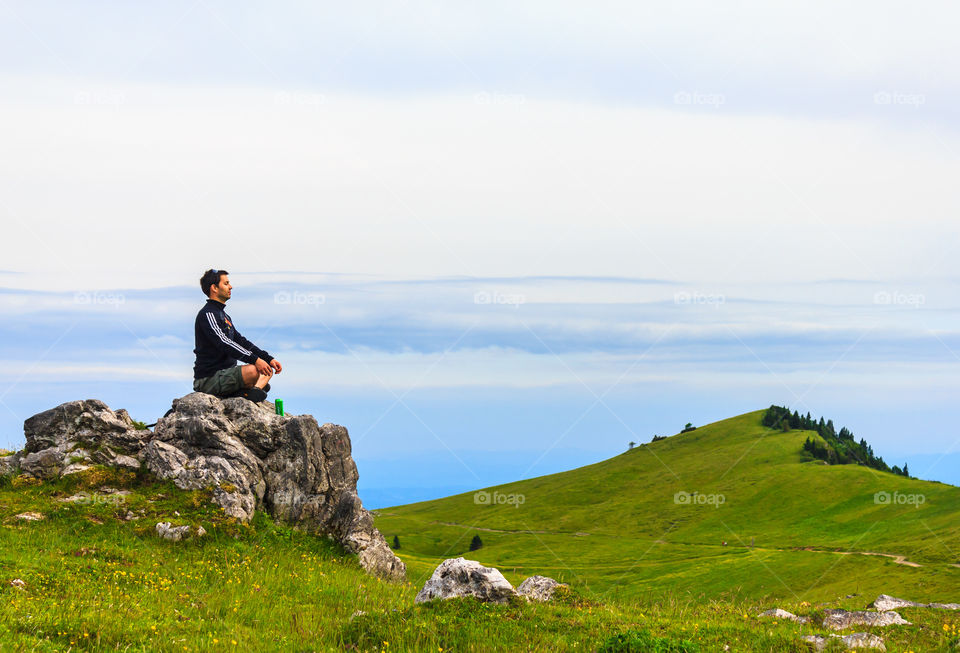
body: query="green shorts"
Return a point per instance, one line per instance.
(223, 383)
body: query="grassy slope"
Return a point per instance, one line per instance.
(97, 582)
(614, 528)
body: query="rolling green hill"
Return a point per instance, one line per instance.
(81, 567)
(729, 509)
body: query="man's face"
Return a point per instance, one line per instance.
(221, 292)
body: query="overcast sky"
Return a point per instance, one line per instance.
(761, 195)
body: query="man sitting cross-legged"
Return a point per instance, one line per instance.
(219, 345)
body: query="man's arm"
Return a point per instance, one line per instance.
(252, 347)
(215, 333)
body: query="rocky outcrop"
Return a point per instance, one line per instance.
(249, 457)
(457, 577)
(538, 588)
(199, 446)
(856, 640)
(840, 619)
(77, 434)
(887, 602)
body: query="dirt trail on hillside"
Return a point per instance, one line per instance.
(899, 559)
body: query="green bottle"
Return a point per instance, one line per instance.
(278, 404)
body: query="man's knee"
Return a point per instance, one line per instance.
(250, 375)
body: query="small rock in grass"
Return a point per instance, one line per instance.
(856, 640)
(840, 619)
(30, 516)
(778, 613)
(538, 588)
(113, 490)
(172, 533)
(863, 640)
(887, 602)
(81, 497)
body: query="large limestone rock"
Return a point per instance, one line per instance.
(199, 446)
(251, 458)
(840, 619)
(456, 577)
(74, 435)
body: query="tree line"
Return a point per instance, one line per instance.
(834, 447)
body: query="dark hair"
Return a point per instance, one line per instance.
(210, 278)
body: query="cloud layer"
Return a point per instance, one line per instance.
(593, 223)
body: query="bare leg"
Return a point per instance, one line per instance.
(253, 378)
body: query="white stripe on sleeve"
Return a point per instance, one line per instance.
(223, 337)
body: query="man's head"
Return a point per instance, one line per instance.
(216, 285)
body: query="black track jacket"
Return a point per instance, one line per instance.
(219, 344)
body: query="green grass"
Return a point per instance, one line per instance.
(97, 582)
(615, 529)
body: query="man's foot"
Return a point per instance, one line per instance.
(255, 394)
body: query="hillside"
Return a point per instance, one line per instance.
(82, 568)
(91, 574)
(620, 528)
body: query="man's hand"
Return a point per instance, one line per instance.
(275, 364)
(263, 368)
